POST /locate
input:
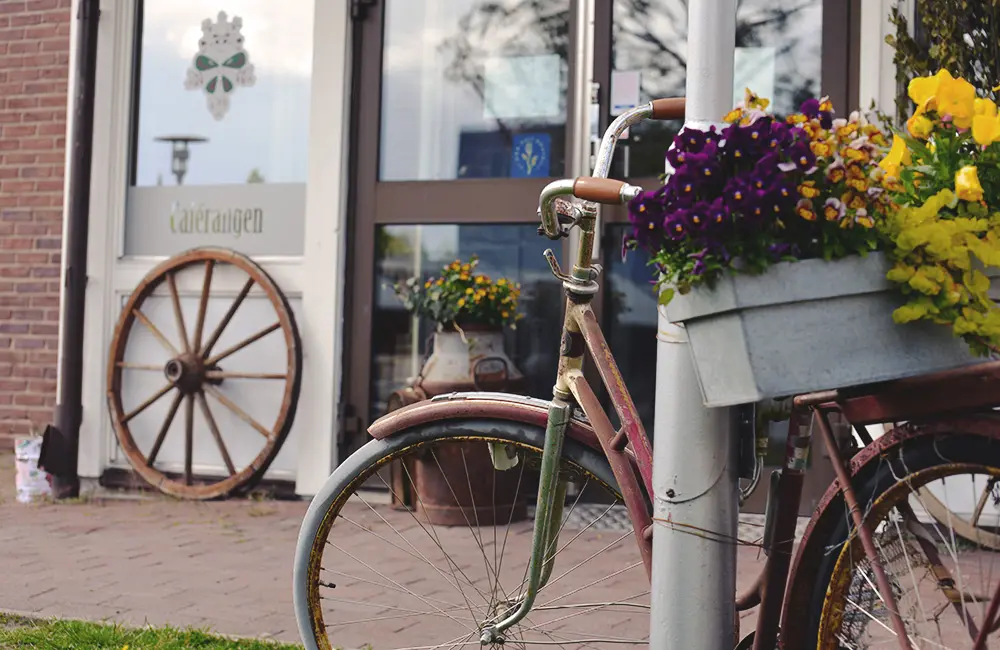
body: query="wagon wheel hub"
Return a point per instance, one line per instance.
(187, 372)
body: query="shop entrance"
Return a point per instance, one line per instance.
(450, 95)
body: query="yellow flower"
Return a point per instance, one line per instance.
(469, 291)
(967, 185)
(461, 302)
(820, 148)
(923, 90)
(985, 106)
(733, 115)
(898, 156)
(463, 276)
(504, 314)
(956, 97)
(501, 282)
(985, 129)
(919, 126)
(808, 190)
(427, 285)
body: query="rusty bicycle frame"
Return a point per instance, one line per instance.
(928, 398)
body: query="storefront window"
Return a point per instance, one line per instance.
(514, 251)
(778, 55)
(221, 131)
(473, 89)
(630, 324)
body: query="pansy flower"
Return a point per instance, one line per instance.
(833, 209)
(676, 224)
(804, 209)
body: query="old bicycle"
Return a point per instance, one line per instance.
(870, 570)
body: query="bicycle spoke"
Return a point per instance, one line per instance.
(224, 374)
(127, 365)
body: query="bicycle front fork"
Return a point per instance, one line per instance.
(548, 515)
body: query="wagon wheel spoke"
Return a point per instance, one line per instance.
(243, 415)
(203, 305)
(126, 365)
(214, 428)
(207, 350)
(163, 429)
(983, 498)
(155, 332)
(242, 344)
(224, 374)
(188, 438)
(178, 314)
(149, 402)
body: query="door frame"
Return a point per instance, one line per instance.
(113, 275)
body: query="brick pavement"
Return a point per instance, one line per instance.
(222, 565)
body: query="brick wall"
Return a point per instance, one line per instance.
(34, 69)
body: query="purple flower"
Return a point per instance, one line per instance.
(779, 136)
(694, 140)
(736, 195)
(699, 261)
(676, 225)
(801, 157)
(718, 213)
(810, 108)
(782, 194)
(698, 216)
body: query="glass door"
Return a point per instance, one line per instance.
(463, 113)
(465, 109)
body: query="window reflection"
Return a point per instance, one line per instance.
(399, 340)
(630, 324)
(473, 89)
(253, 118)
(779, 54)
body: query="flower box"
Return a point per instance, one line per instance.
(807, 326)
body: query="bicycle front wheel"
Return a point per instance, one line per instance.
(418, 542)
(942, 585)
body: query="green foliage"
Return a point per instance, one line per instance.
(957, 35)
(460, 296)
(18, 632)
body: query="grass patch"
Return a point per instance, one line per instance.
(17, 633)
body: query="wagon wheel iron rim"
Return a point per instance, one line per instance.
(195, 372)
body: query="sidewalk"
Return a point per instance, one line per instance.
(222, 565)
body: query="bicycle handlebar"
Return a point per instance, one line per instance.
(597, 188)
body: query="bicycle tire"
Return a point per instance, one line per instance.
(327, 503)
(915, 457)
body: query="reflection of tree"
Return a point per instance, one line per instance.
(650, 36)
(255, 176)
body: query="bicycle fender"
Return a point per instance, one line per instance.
(823, 521)
(500, 406)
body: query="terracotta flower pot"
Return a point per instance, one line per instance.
(458, 485)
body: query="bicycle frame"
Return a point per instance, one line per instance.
(628, 449)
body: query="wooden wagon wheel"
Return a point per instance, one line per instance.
(196, 370)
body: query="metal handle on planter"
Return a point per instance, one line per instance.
(476, 374)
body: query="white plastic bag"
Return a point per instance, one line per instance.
(32, 483)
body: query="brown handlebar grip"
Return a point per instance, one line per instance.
(669, 108)
(598, 190)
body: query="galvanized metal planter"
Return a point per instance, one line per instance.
(807, 326)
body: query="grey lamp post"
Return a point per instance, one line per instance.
(180, 153)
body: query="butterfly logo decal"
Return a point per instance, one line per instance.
(221, 41)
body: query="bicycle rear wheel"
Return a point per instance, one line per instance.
(942, 585)
(370, 574)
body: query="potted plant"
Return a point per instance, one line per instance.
(470, 311)
(806, 253)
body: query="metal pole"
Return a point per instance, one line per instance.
(695, 468)
(60, 443)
